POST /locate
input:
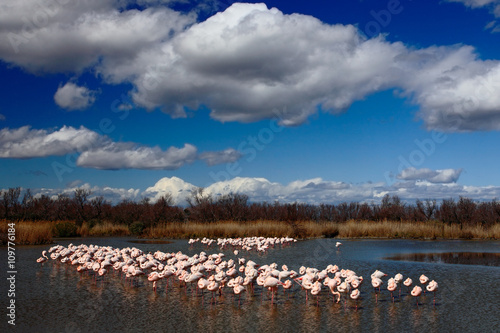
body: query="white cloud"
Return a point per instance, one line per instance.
(114, 195)
(176, 187)
(25, 142)
(124, 155)
(228, 155)
(62, 36)
(99, 151)
(317, 190)
(312, 191)
(248, 62)
(72, 97)
(432, 176)
(2, 117)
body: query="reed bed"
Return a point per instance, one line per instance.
(28, 233)
(103, 230)
(43, 232)
(415, 230)
(219, 229)
(311, 229)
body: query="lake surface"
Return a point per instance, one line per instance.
(56, 298)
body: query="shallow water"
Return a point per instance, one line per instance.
(463, 258)
(55, 298)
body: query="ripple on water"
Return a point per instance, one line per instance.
(461, 258)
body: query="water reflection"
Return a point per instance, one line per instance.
(462, 258)
(150, 241)
(56, 298)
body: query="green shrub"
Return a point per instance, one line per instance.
(92, 223)
(65, 229)
(136, 228)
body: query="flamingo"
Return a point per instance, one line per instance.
(408, 282)
(376, 283)
(355, 295)
(432, 287)
(213, 286)
(423, 280)
(417, 291)
(305, 283)
(315, 290)
(287, 285)
(272, 283)
(42, 259)
(332, 284)
(391, 286)
(238, 289)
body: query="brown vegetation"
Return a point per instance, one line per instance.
(40, 219)
(44, 232)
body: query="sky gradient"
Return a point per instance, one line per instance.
(319, 101)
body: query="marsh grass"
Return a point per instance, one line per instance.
(103, 229)
(311, 229)
(43, 232)
(28, 233)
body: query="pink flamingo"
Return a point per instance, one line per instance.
(432, 287)
(355, 295)
(417, 291)
(376, 283)
(391, 287)
(408, 282)
(272, 283)
(423, 280)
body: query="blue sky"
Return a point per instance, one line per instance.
(318, 101)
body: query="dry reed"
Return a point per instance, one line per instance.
(43, 232)
(104, 229)
(32, 233)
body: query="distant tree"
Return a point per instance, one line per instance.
(80, 201)
(10, 202)
(427, 208)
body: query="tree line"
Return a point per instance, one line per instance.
(206, 208)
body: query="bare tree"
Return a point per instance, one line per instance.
(10, 202)
(80, 200)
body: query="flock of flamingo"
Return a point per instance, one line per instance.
(213, 273)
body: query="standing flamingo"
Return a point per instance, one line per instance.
(408, 282)
(376, 283)
(417, 291)
(355, 295)
(272, 283)
(432, 287)
(316, 289)
(423, 280)
(391, 286)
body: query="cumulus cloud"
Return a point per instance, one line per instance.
(432, 176)
(219, 157)
(311, 191)
(248, 62)
(70, 36)
(72, 97)
(317, 190)
(100, 152)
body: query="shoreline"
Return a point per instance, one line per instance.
(45, 232)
